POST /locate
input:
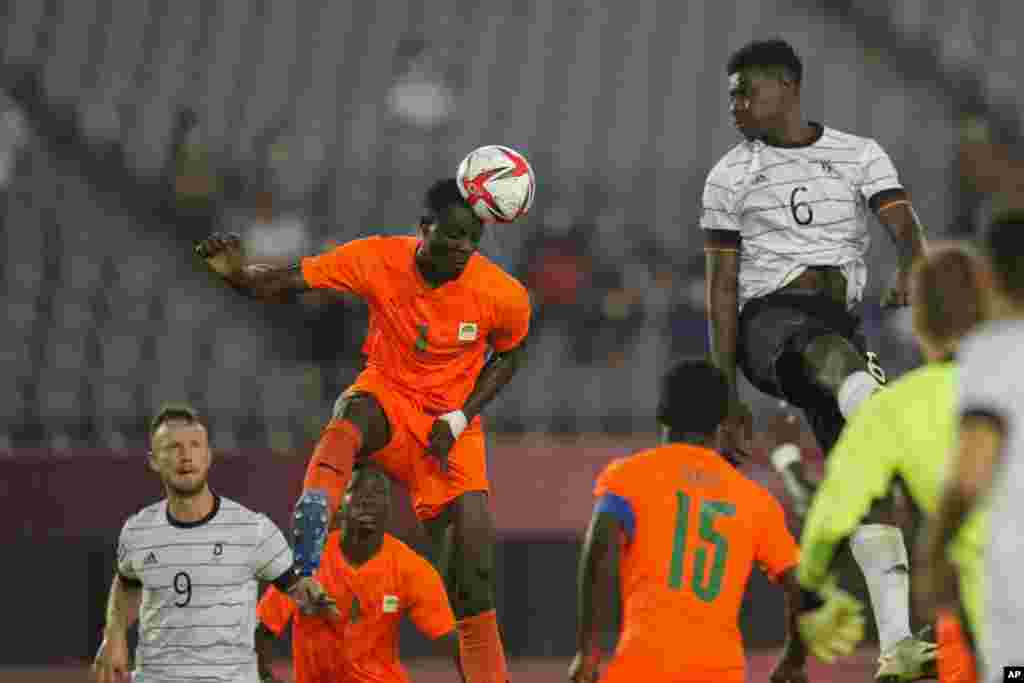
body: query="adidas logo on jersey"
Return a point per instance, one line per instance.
(759, 178)
(150, 558)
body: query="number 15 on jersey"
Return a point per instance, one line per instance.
(706, 577)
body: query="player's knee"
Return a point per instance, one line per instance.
(831, 358)
(365, 412)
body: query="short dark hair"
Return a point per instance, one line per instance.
(442, 195)
(362, 468)
(946, 293)
(174, 411)
(767, 54)
(1004, 247)
(694, 397)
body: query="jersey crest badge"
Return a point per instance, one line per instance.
(218, 549)
(759, 178)
(467, 332)
(390, 604)
(150, 558)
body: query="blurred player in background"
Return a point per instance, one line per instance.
(188, 567)
(906, 432)
(785, 215)
(375, 579)
(988, 462)
(689, 528)
(446, 333)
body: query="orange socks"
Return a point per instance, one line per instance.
(483, 657)
(330, 468)
(955, 660)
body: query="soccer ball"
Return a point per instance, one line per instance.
(497, 182)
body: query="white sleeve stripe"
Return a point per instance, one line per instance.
(880, 178)
(717, 186)
(200, 545)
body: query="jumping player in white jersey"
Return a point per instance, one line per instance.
(785, 215)
(188, 567)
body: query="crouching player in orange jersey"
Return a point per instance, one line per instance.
(446, 332)
(689, 528)
(374, 579)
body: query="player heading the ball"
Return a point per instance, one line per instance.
(447, 327)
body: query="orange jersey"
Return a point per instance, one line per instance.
(430, 341)
(363, 646)
(696, 527)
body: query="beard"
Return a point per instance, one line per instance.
(186, 490)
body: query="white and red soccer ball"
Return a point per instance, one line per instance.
(497, 182)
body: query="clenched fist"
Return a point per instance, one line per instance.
(222, 253)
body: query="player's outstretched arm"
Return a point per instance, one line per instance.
(223, 254)
(111, 663)
(897, 216)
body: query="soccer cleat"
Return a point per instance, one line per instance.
(911, 659)
(310, 531)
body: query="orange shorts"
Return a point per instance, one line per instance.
(623, 670)
(955, 660)
(405, 456)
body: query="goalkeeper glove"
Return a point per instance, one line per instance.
(831, 622)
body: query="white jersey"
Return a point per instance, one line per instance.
(796, 207)
(992, 383)
(199, 590)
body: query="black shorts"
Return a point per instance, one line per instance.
(774, 330)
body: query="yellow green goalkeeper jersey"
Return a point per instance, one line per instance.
(908, 430)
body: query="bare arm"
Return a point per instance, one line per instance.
(111, 663)
(223, 255)
(595, 589)
(722, 265)
(794, 650)
(897, 216)
(264, 640)
(500, 369)
(122, 607)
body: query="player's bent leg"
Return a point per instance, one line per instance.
(483, 655)
(441, 531)
(358, 427)
(839, 367)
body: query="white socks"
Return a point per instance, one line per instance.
(882, 556)
(854, 390)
